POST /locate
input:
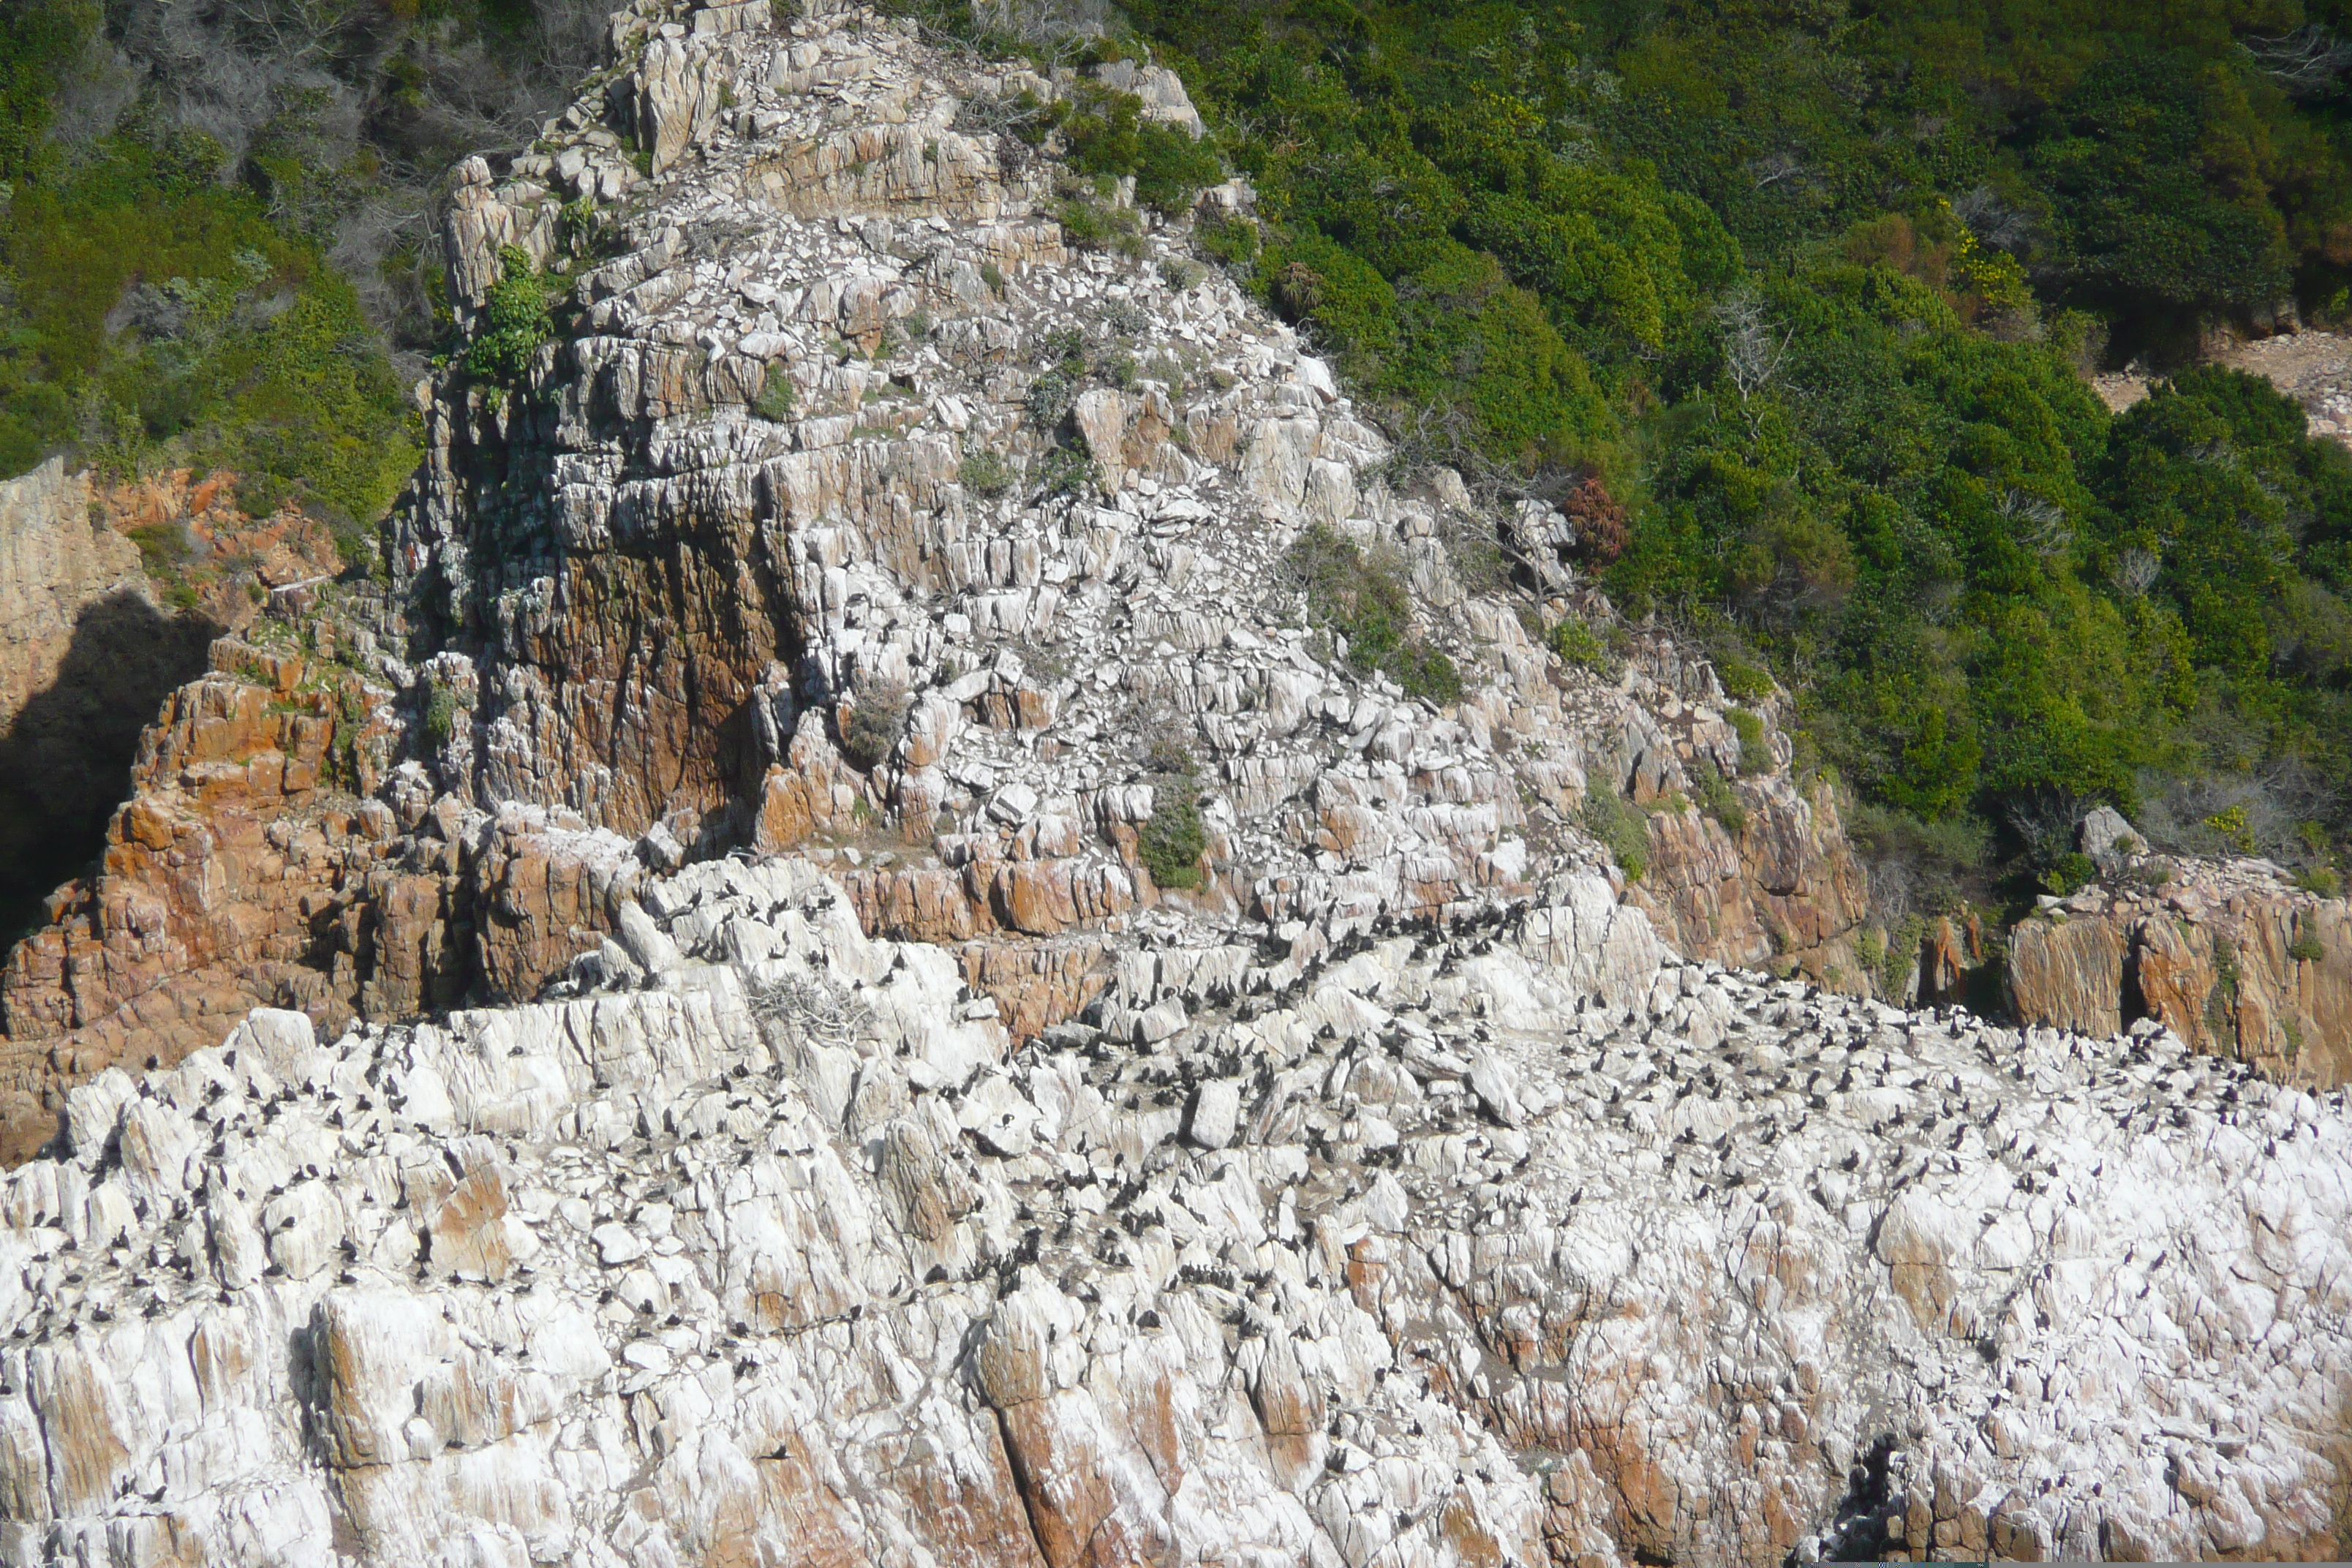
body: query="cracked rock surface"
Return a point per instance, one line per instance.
(763, 552)
(1520, 1242)
(876, 1164)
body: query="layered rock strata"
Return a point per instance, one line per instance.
(2233, 956)
(859, 512)
(1518, 1243)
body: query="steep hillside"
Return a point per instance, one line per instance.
(843, 499)
(943, 909)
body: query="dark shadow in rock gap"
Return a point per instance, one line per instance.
(65, 761)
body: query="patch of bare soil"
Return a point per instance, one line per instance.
(2315, 368)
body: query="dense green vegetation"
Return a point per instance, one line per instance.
(215, 241)
(1812, 288)
(152, 316)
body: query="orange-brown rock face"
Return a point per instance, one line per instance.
(1782, 889)
(250, 868)
(219, 891)
(86, 651)
(2230, 956)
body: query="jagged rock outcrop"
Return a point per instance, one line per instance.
(637, 620)
(2233, 956)
(1523, 1242)
(275, 854)
(1016, 1050)
(682, 608)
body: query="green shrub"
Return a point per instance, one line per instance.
(1064, 351)
(2306, 947)
(774, 402)
(441, 711)
(2232, 828)
(993, 275)
(163, 548)
(1067, 471)
(984, 472)
(1888, 957)
(1171, 842)
(1623, 827)
(151, 317)
(1232, 239)
(1755, 751)
(1743, 681)
(1050, 399)
(1870, 950)
(1167, 753)
(1717, 798)
(1364, 601)
(1107, 136)
(1090, 226)
(2221, 1001)
(517, 317)
(2069, 872)
(1576, 645)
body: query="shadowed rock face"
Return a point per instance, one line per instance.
(66, 751)
(84, 657)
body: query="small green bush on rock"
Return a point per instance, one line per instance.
(1171, 841)
(1577, 644)
(774, 402)
(984, 472)
(1363, 600)
(1755, 751)
(1623, 827)
(518, 316)
(876, 722)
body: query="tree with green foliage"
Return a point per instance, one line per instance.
(1814, 291)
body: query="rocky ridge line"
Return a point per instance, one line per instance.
(640, 617)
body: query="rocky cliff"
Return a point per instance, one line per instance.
(85, 654)
(1520, 1242)
(856, 510)
(847, 965)
(54, 564)
(2230, 955)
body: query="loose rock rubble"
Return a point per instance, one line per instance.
(1521, 1242)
